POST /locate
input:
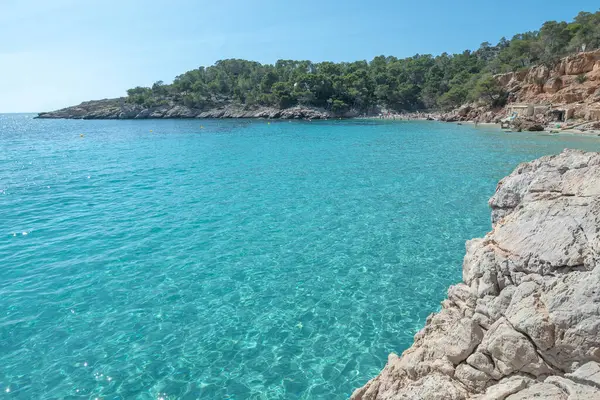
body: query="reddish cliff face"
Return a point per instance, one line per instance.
(573, 84)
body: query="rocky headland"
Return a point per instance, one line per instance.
(121, 109)
(525, 321)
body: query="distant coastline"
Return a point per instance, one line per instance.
(558, 65)
(120, 109)
(558, 94)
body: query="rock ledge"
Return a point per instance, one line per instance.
(525, 321)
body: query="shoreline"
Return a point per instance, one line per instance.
(520, 323)
(547, 129)
(119, 109)
(574, 132)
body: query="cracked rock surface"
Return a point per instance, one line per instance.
(525, 321)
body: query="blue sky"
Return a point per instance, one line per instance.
(56, 53)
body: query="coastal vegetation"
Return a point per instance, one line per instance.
(415, 83)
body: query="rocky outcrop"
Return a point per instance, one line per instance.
(573, 83)
(98, 109)
(529, 125)
(121, 109)
(475, 113)
(525, 321)
(572, 86)
(267, 112)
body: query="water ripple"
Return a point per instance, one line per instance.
(243, 261)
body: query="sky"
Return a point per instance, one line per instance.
(57, 53)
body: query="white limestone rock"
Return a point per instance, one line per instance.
(588, 374)
(525, 322)
(506, 387)
(540, 391)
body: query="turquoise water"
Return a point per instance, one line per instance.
(156, 259)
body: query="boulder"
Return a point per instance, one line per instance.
(559, 69)
(143, 114)
(504, 79)
(538, 75)
(159, 112)
(588, 373)
(464, 110)
(553, 85)
(574, 390)
(506, 387)
(180, 112)
(511, 351)
(540, 391)
(580, 63)
(527, 124)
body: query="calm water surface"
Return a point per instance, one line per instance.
(241, 260)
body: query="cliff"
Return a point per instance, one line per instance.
(120, 109)
(573, 83)
(571, 87)
(525, 321)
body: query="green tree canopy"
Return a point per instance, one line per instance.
(413, 83)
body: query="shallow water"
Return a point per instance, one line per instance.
(239, 260)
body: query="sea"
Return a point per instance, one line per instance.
(233, 259)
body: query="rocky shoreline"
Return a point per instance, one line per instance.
(121, 109)
(563, 97)
(536, 123)
(525, 321)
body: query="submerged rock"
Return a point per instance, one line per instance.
(525, 322)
